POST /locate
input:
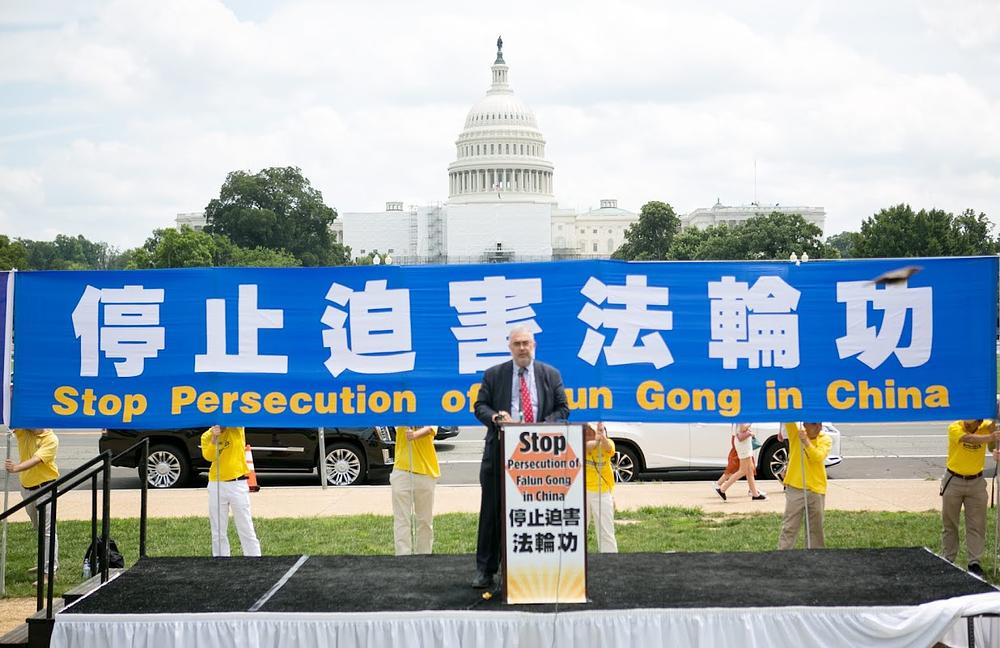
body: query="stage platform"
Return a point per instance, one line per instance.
(889, 597)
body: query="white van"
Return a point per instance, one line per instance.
(643, 448)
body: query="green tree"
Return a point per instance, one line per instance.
(772, 236)
(687, 244)
(43, 255)
(276, 209)
(71, 253)
(171, 248)
(900, 232)
(972, 235)
(843, 243)
(12, 254)
(721, 242)
(189, 248)
(778, 235)
(649, 238)
(262, 258)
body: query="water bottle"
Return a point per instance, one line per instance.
(86, 568)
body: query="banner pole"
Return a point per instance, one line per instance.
(322, 457)
(8, 351)
(3, 532)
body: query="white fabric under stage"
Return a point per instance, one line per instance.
(885, 627)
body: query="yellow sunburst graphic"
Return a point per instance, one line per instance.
(542, 585)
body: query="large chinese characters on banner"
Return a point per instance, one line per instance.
(698, 341)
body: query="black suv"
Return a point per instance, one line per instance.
(353, 455)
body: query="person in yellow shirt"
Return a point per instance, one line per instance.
(600, 480)
(36, 449)
(225, 448)
(963, 485)
(413, 478)
(805, 486)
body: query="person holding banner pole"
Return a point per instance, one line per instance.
(522, 389)
(600, 480)
(3, 534)
(412, 481)
(37, 448)
(805, 484)
(963, 486)
(996, 516)
(225, 447)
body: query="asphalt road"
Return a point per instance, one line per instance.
(883, 451)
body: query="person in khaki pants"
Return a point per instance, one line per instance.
(413, 478)
(812, 444)
(963, 485)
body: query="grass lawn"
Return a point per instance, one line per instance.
(649, 529)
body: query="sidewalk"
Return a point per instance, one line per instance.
(842, 494)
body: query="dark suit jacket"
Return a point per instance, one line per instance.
(494, 394)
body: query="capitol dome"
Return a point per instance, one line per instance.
(500, 154)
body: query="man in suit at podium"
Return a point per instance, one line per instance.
(521, 390)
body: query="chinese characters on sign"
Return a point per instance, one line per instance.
(487, 310)
(754, 323)
(130, 331)
(643, 342)
(757, 323)
(874, 346)
(546, 541)
(379, 340)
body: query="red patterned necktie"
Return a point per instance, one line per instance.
(526, 409)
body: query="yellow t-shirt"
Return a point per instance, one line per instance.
(815, 454)
(600, 477)
(425, 460)
(232, 454)
(966, 458)
(43, 445)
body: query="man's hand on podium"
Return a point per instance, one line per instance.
(502, 417)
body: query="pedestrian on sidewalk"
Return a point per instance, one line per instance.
(732, 463)
(600, 480)
(225, 448)
(742, 441)
(36, 468)
(963, 485)
(805, 484)
(412, 480)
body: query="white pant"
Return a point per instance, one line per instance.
(235, 495)
(601, 511)
(412, 503)
(32, 511)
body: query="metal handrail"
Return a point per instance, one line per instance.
(64, 484)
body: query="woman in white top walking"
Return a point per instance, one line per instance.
(743, 440)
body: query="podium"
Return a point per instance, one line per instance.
(545, 520)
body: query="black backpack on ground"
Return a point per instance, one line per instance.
(115, 558)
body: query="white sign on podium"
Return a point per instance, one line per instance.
(545, 524)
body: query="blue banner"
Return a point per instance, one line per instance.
(349, 346)
(6, 289)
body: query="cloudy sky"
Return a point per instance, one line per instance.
(117, 115)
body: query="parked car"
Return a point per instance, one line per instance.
(446, 432)
(642, 448)
(353, 455)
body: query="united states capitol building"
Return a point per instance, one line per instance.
(501, 200)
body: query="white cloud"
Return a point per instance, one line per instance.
(121, 114)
